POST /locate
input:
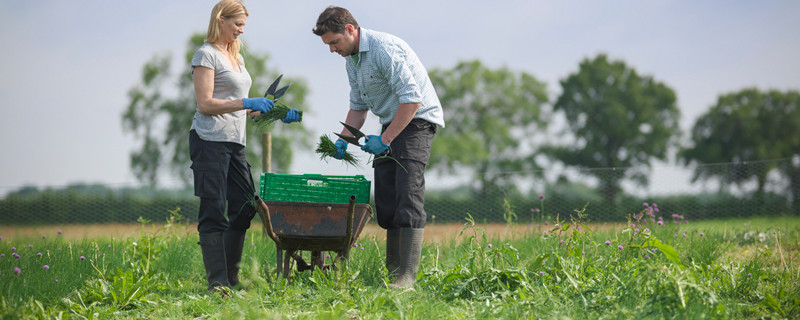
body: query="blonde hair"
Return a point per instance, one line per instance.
(226, 9)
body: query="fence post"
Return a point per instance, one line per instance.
(266, 152)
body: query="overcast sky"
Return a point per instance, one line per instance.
(67, 65)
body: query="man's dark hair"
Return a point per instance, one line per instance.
(334, 19)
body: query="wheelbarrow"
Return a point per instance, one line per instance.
(312, 226)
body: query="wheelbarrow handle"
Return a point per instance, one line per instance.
(265, 219)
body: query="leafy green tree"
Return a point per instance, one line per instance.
(162, 123)
(490, 116)
(619, 119)
(747, 126)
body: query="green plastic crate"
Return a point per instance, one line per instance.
(314, 188)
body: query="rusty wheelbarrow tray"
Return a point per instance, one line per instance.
(312, 226)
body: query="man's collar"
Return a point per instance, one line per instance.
(363, 43)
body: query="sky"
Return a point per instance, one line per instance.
(67, 65)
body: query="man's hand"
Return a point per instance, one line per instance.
(374, 145)
(341, 147)
(258, 104)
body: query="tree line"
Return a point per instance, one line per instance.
(615, 116)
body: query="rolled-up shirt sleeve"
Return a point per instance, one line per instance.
(399, 75)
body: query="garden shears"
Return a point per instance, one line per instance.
(273, 93)
(357, 135)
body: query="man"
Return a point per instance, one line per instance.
(387, 78)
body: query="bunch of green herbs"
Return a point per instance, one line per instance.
(278, 112)
(327, 149)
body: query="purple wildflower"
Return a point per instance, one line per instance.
(17, 270)
(59, 232)
(546, 223)
(490, 245)
(645, 204)
(252, 244)
(251, 258)
(69, 247)
(583, 253)
(537, 210)
(660, 223)
(30, 246)
(541, 197)
(39, 254)
(620, 247)
(83, 258)
(541, 273)
(608, 242)
(654, 249)
(684, 235)
(749, 274)
(646, 256)
(46, 267)
(708, 267)
(13, 249)
(2, 255)
(702, 234)
(44, 236)
(56, 280)
(16, 255)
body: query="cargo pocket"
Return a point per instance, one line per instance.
(417, 143)
(208, 180)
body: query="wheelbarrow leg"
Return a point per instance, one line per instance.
(286, 263)
(317, 261)
(341, 257)
(279, 268)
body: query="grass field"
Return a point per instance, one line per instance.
(727, 269)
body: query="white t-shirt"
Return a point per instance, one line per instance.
(228, 85)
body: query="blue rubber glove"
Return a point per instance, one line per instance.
(291, 116)
(374, 145)
(258, 104)
(341, 147)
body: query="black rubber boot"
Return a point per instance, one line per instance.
(408, 258)
(392, 252)
(213, 248)
(234, 243)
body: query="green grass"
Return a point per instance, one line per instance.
(719, 269)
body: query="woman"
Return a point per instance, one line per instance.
(217, 141)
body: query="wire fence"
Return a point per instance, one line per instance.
(726, 190)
